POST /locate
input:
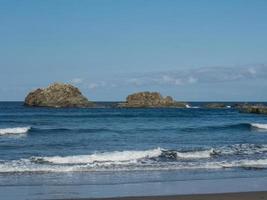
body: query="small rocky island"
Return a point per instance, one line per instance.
(57, 95)
(150, 100)
(215, 105)
(256, 109)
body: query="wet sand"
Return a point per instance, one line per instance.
(223, 196)
(225, 189)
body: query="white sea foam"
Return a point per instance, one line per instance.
(16, 130)
(244, 149)
(260, 163)
(117, 156)
(195, 154)
(259, 126)
(25, 165)
(188, 106)
(153, 159)
(120, 157)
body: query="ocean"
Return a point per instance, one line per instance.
(94, 148)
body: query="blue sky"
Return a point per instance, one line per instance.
(191, 50)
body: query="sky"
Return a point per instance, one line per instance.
(192, 50)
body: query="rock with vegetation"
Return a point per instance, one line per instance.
(256, 109)
(57, 95)
(150, 100)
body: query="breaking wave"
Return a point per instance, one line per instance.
(24, 165)
(116, 156)
(247, 156)
(126, 156)
(196, 154)
(189, 106)
(247, 164)
(259, 126)
(16, 130)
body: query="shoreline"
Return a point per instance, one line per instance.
(261, 195)
(219, 189)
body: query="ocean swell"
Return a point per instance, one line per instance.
(223, 127)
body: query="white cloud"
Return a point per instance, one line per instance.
(198, 75)
(77, 80)
(167, 78)
(252, 71)
(192, 80)
(135, 81)
(93, 86)
(178, 82)
(102, 83)
(183, 77)
(97, 85)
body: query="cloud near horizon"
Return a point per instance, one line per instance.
(76, 81)
(176, 78)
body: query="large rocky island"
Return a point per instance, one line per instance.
(57, 95)
(150, 100)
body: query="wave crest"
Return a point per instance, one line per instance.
(196, 154)
(247, 156)
(117, 156)
(259, 126)
(247, 164)
(16, 130)
(157, 156)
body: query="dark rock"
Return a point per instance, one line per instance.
(58, 96)
(238, 105)
(256, 109)
(215, 105)
(150, 100)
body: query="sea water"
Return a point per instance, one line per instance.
(98, 147)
